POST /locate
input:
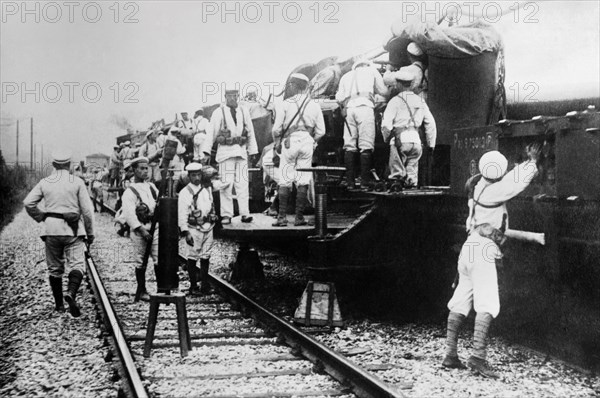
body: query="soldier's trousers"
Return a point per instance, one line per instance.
(234, 171)
(64, 249)
(478, 282)
(139, 248)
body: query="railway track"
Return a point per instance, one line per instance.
(240, 349)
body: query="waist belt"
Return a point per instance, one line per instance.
(494, 234)
(72, 219)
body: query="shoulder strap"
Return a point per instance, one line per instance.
(284, 133)
(223, 122)
(477, 203)
(409, 111)
(136, 193)
(153, 192)
(194, 195)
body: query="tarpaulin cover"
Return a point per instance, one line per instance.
(459, 41)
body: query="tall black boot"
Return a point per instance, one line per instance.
(75, 278)
(349, 164)
(301, 202)
(141, 293)
(204, 285)
(193, 273)
(284, 194)
(366, 160)
(56, 285)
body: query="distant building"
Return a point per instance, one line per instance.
(97, 160)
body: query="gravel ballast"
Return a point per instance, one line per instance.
(48, 354)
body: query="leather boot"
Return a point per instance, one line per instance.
(193, 273)
(204, 285)
(56, 285)
(141, 293)
(349, 164)
(477, 361)
(301, 202)
(284, 194)
(366, 160)
(75, 278)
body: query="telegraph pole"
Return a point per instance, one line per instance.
(31, 154)
(17, 142)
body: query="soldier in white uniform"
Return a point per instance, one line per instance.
(202, 125)
(151, 150)
(115, 166)
(231, 127)
(356, 93)
(127, 153)
(68, 218)
(302, 119)
(139, 203)
(196, 219)
(402, 117)
(478, 283)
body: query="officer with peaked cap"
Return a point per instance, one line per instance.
(68, 218)
(196, 219)
(299, 125)
(356, 96)
(478, 283)
(139, 203)
(231, 127)
(403, 116)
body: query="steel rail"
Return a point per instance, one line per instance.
(134, 386)
(362, 383)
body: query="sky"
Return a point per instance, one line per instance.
(84, 71)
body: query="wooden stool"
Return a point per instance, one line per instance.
(185, 341)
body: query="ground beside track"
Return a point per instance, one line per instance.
(48, 355)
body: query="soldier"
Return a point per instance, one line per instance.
(302, 120)
(127, 153)
(231, 127)
(202, 125)
(356, 95)
(139, 202)
(115, 166)
(402, 117)
(68, 218)
(196, 219)
(418, 67)
(478, 283)
(151, 150)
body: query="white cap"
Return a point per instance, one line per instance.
(149, 132)
(414, 49)
(361, 61)
(299, 76)
(493, 165)
(405, 75)
(137, 160)
(61, 156)
(127, 143)
(193, 166)
(126, 164)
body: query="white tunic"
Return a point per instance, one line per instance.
(230, 151)
(130, 201)
(512, 184)
(362, 89)
(185, 205)
(396, 114)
